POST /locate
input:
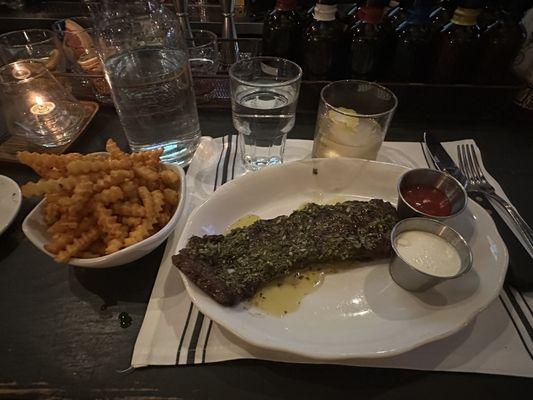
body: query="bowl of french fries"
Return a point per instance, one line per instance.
(103, 209)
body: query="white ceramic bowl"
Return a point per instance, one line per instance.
(34, 228)
(10, 201)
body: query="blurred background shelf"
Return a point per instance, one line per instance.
(416, 100)
(41, 14)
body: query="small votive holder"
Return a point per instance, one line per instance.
(41, 45)
(36, 106)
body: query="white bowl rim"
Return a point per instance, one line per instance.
(16, 210)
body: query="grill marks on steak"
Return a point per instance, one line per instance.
(233, 267)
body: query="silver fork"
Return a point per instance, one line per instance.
(477, 182)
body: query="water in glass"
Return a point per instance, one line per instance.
(152, 91)
(263, 116)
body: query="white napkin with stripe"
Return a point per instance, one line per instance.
(174, 332)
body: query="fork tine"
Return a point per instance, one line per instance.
(460, 157)
(464, 163)
(470, 162)
(479, 171)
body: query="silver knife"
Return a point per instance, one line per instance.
(520, 273)
(441, 158)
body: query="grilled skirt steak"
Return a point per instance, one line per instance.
(233, 267)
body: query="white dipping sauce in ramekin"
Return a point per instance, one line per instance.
(428, 253)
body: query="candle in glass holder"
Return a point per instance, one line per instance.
(36, 107)
(42, 107)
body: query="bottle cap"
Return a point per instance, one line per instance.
(325, 12)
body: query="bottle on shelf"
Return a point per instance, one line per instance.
(258, 9)
(392, 4)
(282, 31)
(412, 48)
(351, 14)
(368, 40)
(442, 15)
(396, 15)
(499, 44)
(323, 49)
(491, 13)
(306, 15)
(457, 45)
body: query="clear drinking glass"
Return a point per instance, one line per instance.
(353, 119)
(204, 60)
(76, 34)
(146, 64)
(264, 95)
(36, 106)
(33, 44)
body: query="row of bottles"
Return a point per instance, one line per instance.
(456, 41)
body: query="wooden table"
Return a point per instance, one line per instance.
(60, 336)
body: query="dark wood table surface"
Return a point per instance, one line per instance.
(56, 339)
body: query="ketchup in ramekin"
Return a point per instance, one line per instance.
(428, 200)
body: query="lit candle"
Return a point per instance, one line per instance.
(42, 107)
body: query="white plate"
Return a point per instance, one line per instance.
(10, 201)
(34, 228)
(360, 312)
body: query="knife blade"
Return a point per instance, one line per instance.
(441, 158)
(520, 273)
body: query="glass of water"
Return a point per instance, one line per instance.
(204, 60)
(264, 95)
(147, 66)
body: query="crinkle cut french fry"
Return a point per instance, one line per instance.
(149, 158)
(146, 173)
(140, 232)
(113, 150)
(81, 196)
(79, 244)
(130, 190)
(52, 213)
(115, 178)
(48, 186)
(112, 229)
(78, 167)
(50, 166)
(129, 209)
(170, 178)
(59, 242)
(159, 202)
(171, 196)
(111, 195)
(132, 222)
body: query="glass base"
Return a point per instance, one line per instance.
(50, 130)
(179, 152)
(256, 163)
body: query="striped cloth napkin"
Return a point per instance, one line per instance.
(175, 332)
